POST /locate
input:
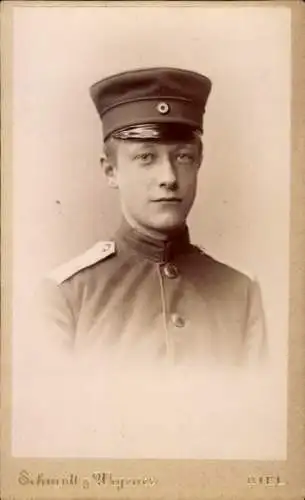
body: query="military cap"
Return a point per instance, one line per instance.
(140, 103)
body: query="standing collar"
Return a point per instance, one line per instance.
(152, 248)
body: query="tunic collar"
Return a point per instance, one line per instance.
(160, 251)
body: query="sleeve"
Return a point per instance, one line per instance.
(43, 336)
(53, 317)
(256, 349)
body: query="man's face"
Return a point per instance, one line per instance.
(157, 181)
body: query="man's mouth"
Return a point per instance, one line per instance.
(165, 199)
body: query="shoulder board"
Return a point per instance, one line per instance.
(97, 253)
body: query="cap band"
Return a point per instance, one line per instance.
(153, 110)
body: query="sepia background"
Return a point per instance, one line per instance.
(61, 204)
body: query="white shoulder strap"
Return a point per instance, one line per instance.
(98, 252)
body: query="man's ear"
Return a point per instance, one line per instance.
(110, 170)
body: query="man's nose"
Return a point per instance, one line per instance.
(167, 174)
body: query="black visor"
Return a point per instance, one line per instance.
(157, 131)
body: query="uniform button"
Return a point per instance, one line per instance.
(171, 271)
(177, 320)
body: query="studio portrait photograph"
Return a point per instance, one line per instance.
(150, 173)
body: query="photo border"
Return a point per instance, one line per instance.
(167, 478)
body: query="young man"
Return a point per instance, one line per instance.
(149, 294)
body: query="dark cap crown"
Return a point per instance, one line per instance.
(151, 96)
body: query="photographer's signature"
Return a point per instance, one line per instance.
(100, 479)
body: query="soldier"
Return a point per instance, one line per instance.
(149, 294)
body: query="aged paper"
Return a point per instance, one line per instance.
(82, 431)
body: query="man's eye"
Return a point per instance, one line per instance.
(185, 158)
(145, 158)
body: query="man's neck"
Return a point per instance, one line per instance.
(154, 245)
(156, 234)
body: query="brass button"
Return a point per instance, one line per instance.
(177, 320)
(170, 270)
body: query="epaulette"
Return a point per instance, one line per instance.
(98, 252)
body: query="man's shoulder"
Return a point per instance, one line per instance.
(218, 268)
(99, 252)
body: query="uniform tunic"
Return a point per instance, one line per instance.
(142, 299)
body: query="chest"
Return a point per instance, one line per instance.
(155, 310)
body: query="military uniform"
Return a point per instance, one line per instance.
(142, 298)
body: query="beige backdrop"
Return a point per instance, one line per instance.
(61, 202)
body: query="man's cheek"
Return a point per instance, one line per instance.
(128, 188)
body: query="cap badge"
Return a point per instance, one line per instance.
(163, 108)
